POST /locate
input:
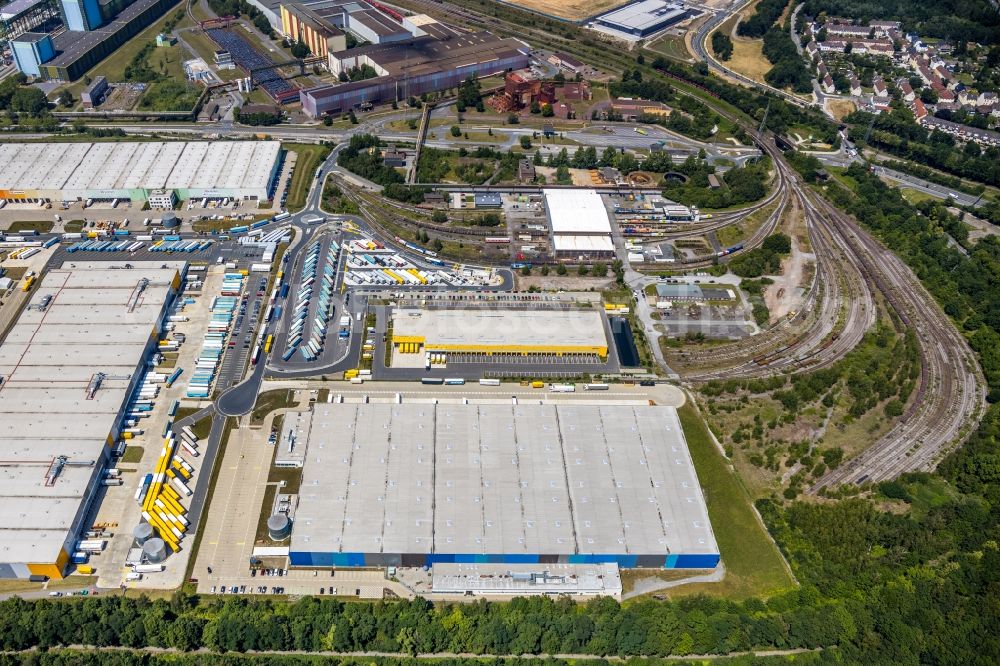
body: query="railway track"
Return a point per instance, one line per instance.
(837, 310)
(851, 268)
(950, 390)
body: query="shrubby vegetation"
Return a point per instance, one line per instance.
(363, 157)
(742, 185)
(261, 118)
(780, 114)
(242, 7)
(780, 422)
(763, 260)
(690, 116)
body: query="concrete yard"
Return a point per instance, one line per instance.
(118, 506)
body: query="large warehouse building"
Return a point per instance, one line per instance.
(500, 331)
(580, 224)
(640, 19)
(440, 59)
(131, 170)
(418, 484)
(67, 369)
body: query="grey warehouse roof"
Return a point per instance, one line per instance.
(94, 323)
(491, 479)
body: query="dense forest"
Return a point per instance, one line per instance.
(764, 16)
(963, 20)
(789, 69)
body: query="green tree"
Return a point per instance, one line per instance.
(456, 131)
(525, 142)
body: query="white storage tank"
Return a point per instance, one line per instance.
(155, 550)
(143, 532)
(279, 527)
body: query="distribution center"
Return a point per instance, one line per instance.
(74, 356)
(579, 222)
(416, 484)
(504, 330)
(131, 170)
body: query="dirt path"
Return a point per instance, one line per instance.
(785, 295)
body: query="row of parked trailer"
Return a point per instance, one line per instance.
(310, 348)
(106, 246)
(168, 245)
(410, 277)
(221, 314)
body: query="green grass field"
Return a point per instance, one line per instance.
(133, 454)
(41, 226)
(671, 46)
(269, 401)
(309, 157)
(754, 567)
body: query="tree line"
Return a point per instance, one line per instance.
(897, 133)
(780, 115)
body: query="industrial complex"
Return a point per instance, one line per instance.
(90, 36)
(67, 369)
(439, 59)
(133, 171)
(417, 484)
(579, 222)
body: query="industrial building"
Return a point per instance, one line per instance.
(81, 15)
(500, 331)
(299, 22)
(132, 170)
(413, 485)
(95, 93)
(638, 20)
(30, 50)
(92, 37)
(439, 60)
(579, 222)
(21, 16)
(510, 580)
(68, 367)
(373, 23)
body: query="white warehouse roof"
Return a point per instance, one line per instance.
(126, 169)
(577, 212)
(605, 482)
(582, 244)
